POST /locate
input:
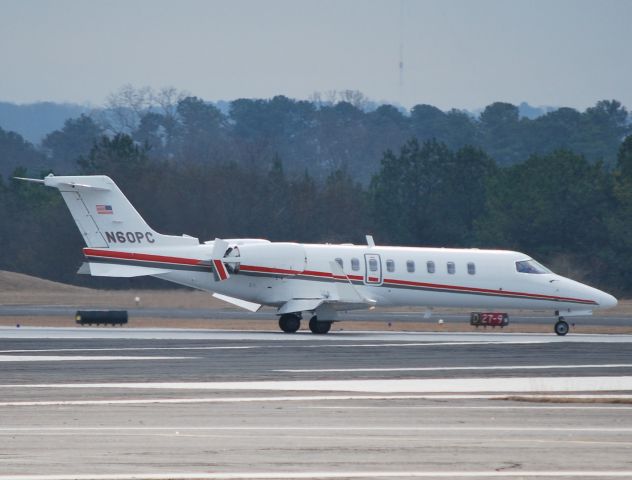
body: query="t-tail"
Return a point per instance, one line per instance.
(105, 217)
(119, 243)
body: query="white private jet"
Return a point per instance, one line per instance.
(317, 280)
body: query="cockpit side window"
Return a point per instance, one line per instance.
(531, 266)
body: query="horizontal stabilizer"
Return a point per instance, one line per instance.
(125, 271)
(34, 180)
(250, 306)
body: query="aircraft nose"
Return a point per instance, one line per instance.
(605, 300)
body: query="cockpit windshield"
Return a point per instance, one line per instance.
(531, 266)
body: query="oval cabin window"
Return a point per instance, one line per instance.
(390, 265)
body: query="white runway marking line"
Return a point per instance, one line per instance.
(438, 428)
(255, 347)
(430, 385)
(116, 349)
(319, 398)
(329, 474)
(78, 358)
(440, 369)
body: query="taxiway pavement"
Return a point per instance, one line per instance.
(176, 403)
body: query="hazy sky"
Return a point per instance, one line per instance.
(459, 53)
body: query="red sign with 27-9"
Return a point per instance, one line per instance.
(492, 319)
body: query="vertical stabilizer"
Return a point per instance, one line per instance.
(105, 217)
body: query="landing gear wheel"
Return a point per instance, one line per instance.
(289, 322)
(318, 327)
(561, 327)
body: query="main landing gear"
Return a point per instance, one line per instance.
(561, 327)
(290, 322)
(318, 327)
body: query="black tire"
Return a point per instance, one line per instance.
(561, 327)
(289, 322)
(317, 327)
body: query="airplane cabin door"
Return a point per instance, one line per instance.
(373, 269)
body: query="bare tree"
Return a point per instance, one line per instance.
(355, 98)
(125, 107)
(167, 98)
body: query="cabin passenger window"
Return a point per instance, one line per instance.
(355, 264)
(390, 265)
(430, 266)
(410, 266)
(340, 262)
(451, 268)
(471, 268)
(373, 264)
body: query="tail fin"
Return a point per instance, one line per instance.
(105, 217)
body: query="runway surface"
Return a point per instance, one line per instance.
(175, 403)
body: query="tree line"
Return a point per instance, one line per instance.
(343, 132)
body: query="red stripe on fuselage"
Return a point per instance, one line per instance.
(280, 271)
(484, 290)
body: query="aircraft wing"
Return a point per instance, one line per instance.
(346, 297)
(250, 306)
(300, 305)
(296, 305)
(111, 270)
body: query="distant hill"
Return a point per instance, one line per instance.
(35, 120)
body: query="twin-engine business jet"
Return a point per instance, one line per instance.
(315, 280)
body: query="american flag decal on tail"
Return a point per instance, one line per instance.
(105, 209)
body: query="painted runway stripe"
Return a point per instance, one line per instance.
(320, 398)
(256, 347)
(441, 369)
(431, 385)
(395, 428)
(78, 358)
(331, 474)
(124, 349)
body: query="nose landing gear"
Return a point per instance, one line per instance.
(561, 327)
